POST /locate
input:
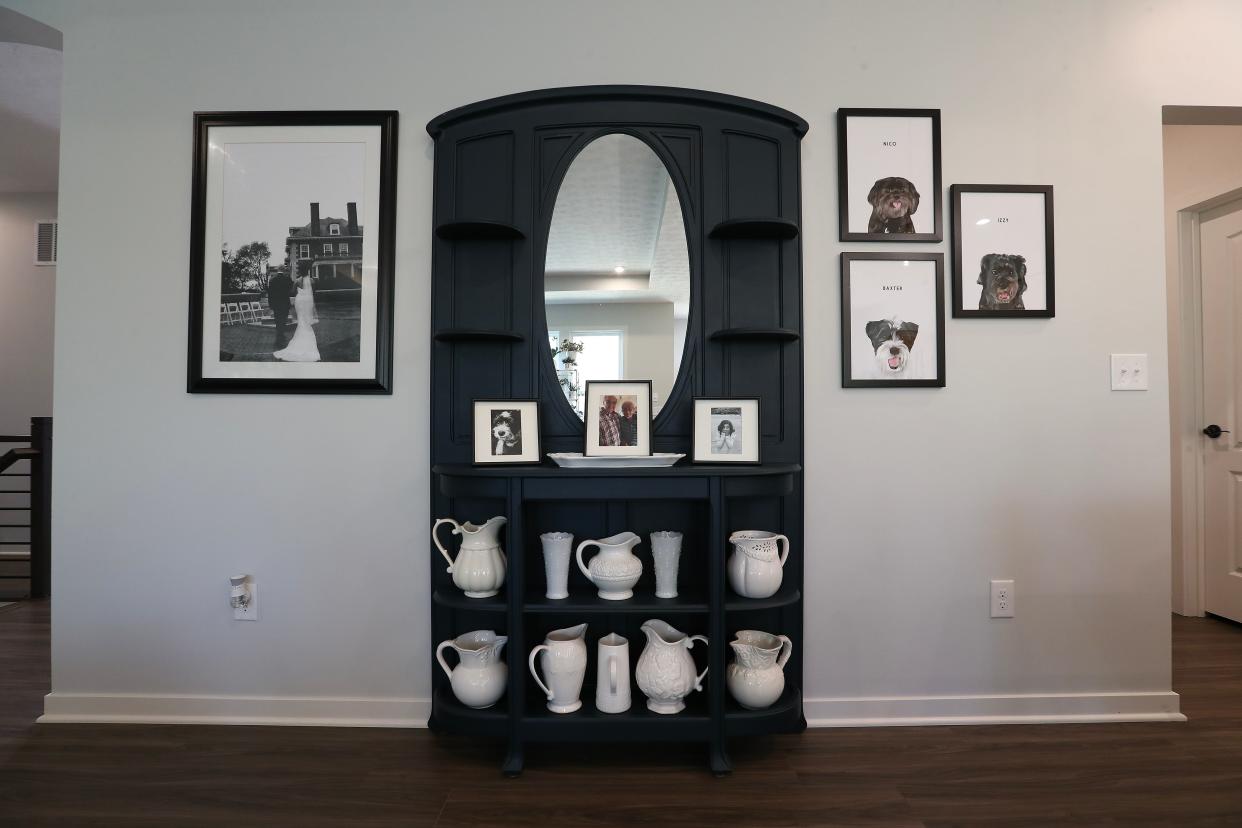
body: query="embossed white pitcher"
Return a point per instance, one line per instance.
(479, 679)
(665, 671)
(615, 569)
(755, 570)
(480, 566)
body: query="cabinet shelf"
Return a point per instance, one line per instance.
(756, 334)
(757, 227)
(786, 596)
(477, 335)
(784, 716)
(450, 713)
(581, 602)
(478, 229)
(637, 723)
(456, 599)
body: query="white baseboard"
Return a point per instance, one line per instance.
(979, 710)
(235, 710)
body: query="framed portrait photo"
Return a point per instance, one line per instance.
(506, 431)
(726, 430)
(889, 174)
(892, 320)
(618, 418)
(1002, 250)
(291, 264)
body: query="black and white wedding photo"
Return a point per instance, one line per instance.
(293, 213)
(506, 431)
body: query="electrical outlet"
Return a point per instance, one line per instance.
(1002, 599)
(250, 612)
(1129, 372)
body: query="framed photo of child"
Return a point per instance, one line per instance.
(618, 418)
(726, 430)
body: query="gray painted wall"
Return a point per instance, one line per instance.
(1026, 466)
(27, 299)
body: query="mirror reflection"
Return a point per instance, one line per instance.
(617, 271)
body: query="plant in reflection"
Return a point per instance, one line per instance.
(569, 349)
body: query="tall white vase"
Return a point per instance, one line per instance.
(666, 549)
(557, 551)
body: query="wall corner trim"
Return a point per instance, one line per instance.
(316, 711)
(1052, 708)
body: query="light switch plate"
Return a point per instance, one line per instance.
(1129, 372)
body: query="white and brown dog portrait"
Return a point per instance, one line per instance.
(893, 200)
(1003, 277)
(506, 432)
(892, 340)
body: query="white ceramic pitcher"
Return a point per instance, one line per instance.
(615, 569)
(665, 671)
(755, 570)
(479, 678)
(480, 566)
(756, 678)
(612, 679)
(564, 663)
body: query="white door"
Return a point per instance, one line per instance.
(1220, 240)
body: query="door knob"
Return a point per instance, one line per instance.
(1214, 431)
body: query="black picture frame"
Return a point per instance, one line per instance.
(843, 162)
(694, 431)
(509, 403)
(847, 378)
(959, 310)
(381, 382)
(586, 422)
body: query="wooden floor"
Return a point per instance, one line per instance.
(1175, 775)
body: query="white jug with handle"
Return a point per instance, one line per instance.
(480, 566)
(478, 681)
(564, 661)
(615, 569)
(755, 570)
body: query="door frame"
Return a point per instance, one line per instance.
(1186, 415)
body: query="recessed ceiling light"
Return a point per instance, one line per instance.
(982, 222)
(618, 269)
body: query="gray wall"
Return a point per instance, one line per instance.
(1026, 466)
(27, 299)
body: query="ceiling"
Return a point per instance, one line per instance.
(617, 207)
(29, 117)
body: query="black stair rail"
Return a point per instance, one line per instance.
(39, 453)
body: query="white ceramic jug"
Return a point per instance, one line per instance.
(755, 570)
(756, 678)
(564, 663)
(480, 566)
(615, 569)
(612, 680)
(665, 671)
(479, 678)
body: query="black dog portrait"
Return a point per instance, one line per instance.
(506, 432)
(893, 200)
(1003, 276)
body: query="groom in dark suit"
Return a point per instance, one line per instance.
(279, 291)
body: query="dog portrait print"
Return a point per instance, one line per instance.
(1003, 277)
(893, 201)
(892, 340)
(506, 432)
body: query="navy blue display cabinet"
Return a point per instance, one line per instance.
(498, 167)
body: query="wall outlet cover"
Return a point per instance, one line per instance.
(1002, 599)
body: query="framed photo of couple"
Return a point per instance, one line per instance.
(291, 252)
(618, 418)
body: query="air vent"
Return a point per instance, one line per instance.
(45, 244)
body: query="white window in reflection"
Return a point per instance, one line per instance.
(601, 355)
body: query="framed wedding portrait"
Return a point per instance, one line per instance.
(889, 175)
(1002, 250)
(291, 263)
(618, 418)
(892, 320)
(726, 430)
(506, 431)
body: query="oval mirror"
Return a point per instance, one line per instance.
(617, 271)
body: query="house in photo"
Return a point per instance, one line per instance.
(327, 249)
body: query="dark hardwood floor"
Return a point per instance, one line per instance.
(1177, 775)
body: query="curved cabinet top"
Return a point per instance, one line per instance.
(610, 94)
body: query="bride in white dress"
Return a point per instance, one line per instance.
(302, 347)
